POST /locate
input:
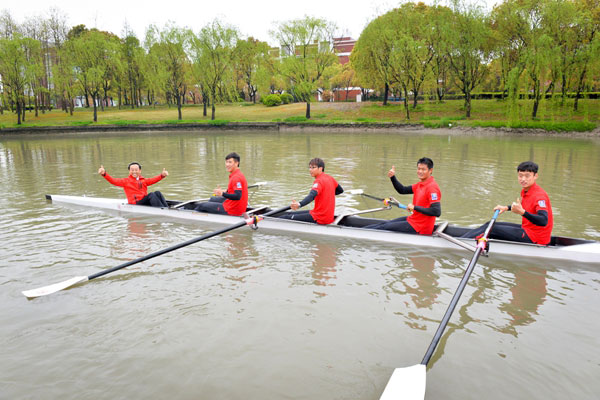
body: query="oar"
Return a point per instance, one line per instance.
(257, 184)
(70, 282)
(386, 201)
(409, 382)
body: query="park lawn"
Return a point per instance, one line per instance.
(494, 113)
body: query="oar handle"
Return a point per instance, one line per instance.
(180, 245)
(386, 201)
(458, 293)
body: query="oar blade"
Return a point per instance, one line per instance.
(56, 287)
(406, 383)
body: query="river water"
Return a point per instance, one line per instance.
(257, 315)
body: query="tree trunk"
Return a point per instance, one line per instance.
(204, 104)
(307, 110)
(212, 117)
(18, 112)
(406, 108)
(23, 109)
(179, 107)
(71, 107)
(385, 94)
(95, 108)
(536, 98)
(579, 87)
(468, 103)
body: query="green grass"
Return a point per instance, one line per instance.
(552, 115)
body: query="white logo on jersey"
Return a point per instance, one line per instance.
(316, 185)
(239, 185)
(542, 203)
(434, 196)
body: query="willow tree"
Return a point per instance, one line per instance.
(168, 46)
(371, 57)
(213, 52)
(588, 48)
(14, 70)
(251, 61)
(440, 36)
(93, 55)
(469, 48)
(307, 53)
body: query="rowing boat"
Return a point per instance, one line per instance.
(352, 226)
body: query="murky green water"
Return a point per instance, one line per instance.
(257, 315)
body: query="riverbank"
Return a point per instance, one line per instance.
(303, 127)
(488, 117)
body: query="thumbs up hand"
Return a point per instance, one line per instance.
(392, 171)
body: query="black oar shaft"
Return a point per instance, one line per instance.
(457, 294)
(180, 245)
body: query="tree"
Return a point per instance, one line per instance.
(440, 37)
(14, 70)
(251, 61)
(93, 53)
(213, 51)
(344, 78)
(469, 50)
(168, 46)
(307, 53)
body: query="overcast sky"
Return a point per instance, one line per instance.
(252, 17)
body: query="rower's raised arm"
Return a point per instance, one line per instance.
(401, 188)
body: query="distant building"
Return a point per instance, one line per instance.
(342, 47)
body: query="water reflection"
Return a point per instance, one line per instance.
(528, 294)
(323, 265)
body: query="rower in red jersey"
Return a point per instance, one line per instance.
(234, 201)
(136, 186)
(425, 206)
(323, 192)
(533, 205)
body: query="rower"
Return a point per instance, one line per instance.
(234, 201)
(323, 192)
(425, 206)
(136, 186)
(533, 205)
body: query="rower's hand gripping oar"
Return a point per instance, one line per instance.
(410, 382)
(387, 201)
(78, 279)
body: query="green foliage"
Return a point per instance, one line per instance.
(272, 100)
(287, 98)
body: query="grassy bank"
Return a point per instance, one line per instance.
(485, 113)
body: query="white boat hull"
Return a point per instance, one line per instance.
(588, 252)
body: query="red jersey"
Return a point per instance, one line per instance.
(237, 181)
(324, 209)
(135, 188)
(534, 200)
(424, 194)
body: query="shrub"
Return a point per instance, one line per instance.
(287, 98)
(272, 100)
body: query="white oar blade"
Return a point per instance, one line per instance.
(43, 291)
(260, 183)
(356, 191)
(406, 384)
